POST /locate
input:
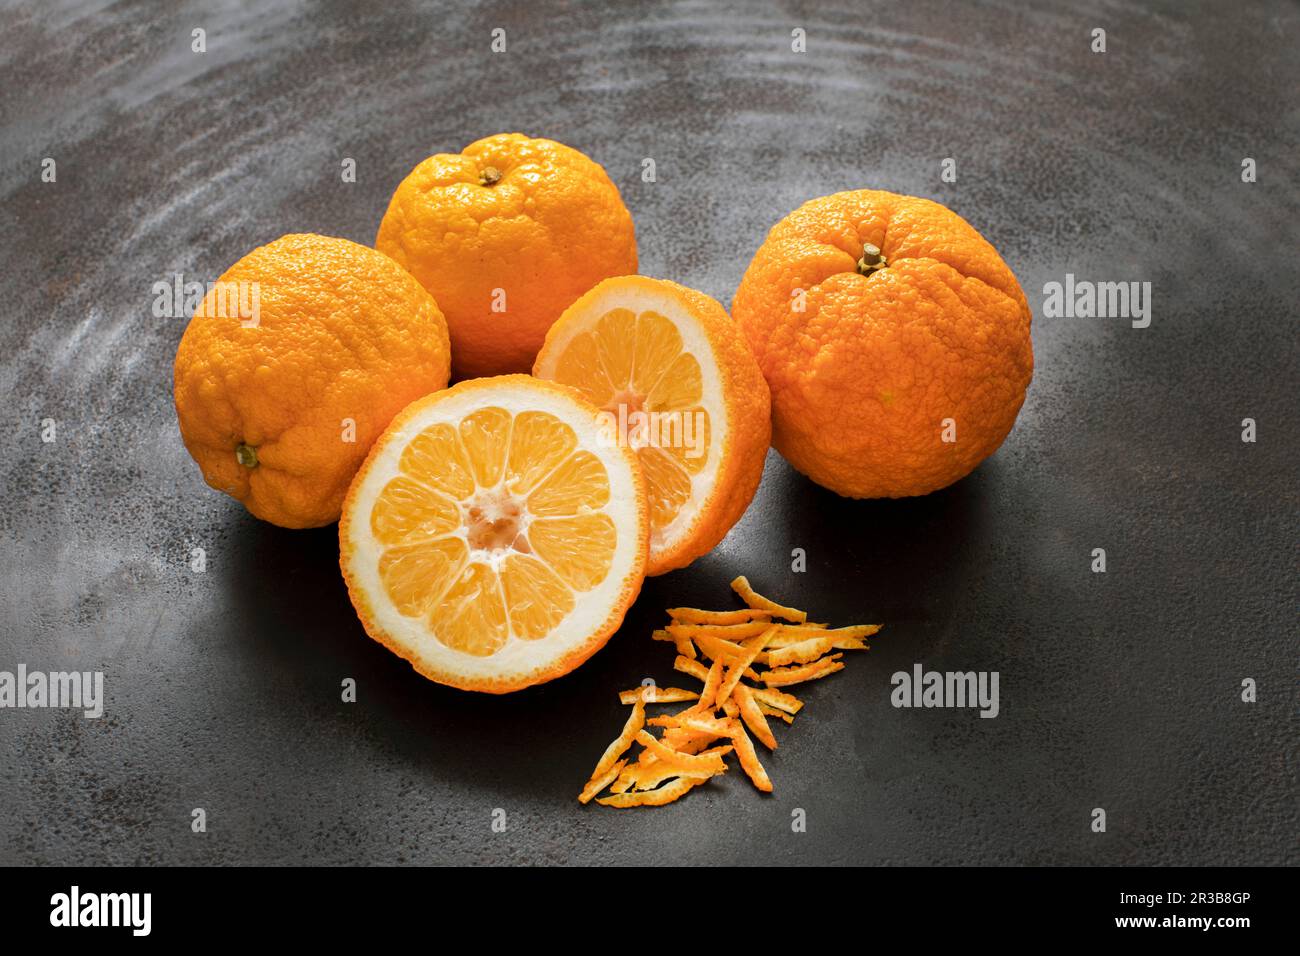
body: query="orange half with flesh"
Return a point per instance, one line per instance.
(491, 538)
(676, 383)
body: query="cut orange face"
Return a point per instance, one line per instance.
(493, 538)
(677, 384)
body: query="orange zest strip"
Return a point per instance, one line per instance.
(748, 758)
(649, 776)
(653, 798)
(635, 721)
(785, 676)
(694, 763)
(626, 780)
(684, 645)
(728, 632)
(753, 717)
(688, 666)
(720, 751)
(683, 741)
(693, 615)
(788, 634)
(778, 714)
(697, 724)
(801, 653)
(726, 652)
(755, 600)
(711, 684)
(597, 784)
(753, 647)
(778, 700)
(656, 695)
(717, 649)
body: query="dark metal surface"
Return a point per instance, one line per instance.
(1118, 690)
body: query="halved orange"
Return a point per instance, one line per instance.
(492, 538)
(676, 383)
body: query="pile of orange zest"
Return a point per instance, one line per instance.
(697, 739)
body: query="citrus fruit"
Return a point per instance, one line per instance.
(491, 538)
(295, 361)
(506, 235)
(675, 381)
(894, 338)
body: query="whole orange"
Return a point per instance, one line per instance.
(894, 338)
(506, 235)
(279, 403)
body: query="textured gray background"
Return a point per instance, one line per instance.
(1118, 690)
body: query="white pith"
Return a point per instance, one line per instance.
(638, 299)
(517, 657)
